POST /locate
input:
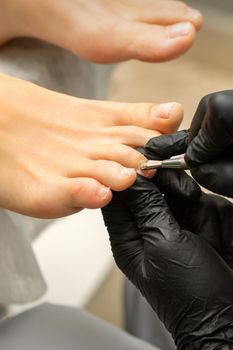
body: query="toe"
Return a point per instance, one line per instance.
(64, 196)
(108, 173)
(158, 43)
(124, 155)
(168, 117)
(168, 12)
(164, 118)
(137, 114)
(86, 193)
(133, 136)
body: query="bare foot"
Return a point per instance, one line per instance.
(105, 31)
(60, 154)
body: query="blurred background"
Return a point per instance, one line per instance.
(82, 248)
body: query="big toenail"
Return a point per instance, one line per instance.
(162, 110)
(179, 29)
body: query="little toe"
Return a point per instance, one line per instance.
(64, 196)
(87, 193)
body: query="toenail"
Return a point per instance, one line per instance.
(162, 111)
(146, 173)
(179, 29)
(194, 14)
(127, 171)
(103, 191)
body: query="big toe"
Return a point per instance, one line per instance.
(155, 43)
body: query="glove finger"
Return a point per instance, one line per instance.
(211, 217)
(150, 210)
(209, 176)
(212, 128)
(199, 117)
(177, 184)
(126, 242)
(114, 210)
(219, 119)
(201, 217)
(166, 146)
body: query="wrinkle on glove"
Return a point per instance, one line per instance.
(216, 229)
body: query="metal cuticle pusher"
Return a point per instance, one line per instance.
(177, 162)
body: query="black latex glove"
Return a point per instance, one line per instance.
(210, 153)
(190, 206)
(184, 279)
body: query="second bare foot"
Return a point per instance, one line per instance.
(105, 31)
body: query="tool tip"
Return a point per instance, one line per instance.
(151, 164)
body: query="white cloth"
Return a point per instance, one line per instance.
(56, 327)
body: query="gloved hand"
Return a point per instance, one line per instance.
(183, 277)
(210, 152)
(189, 205)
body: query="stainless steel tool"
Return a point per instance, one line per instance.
(176, 162)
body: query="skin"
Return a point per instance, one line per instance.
(105, 31)
(62, 154)
(65, 153)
